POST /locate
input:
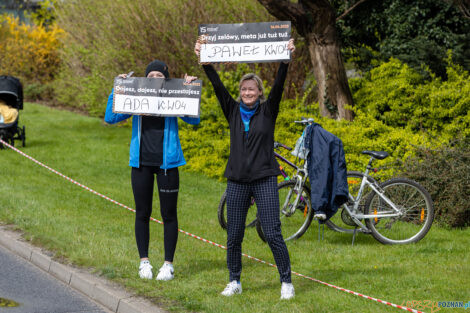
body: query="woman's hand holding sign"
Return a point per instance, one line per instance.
(126, 75)
(188, 79)
(290, 47)
(197, 48)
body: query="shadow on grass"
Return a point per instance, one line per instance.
(346, 239)
(43, 142)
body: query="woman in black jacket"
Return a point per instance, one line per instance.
(252, 169)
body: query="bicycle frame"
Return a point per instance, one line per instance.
(283, 159)
(300, 177)
(355, 214)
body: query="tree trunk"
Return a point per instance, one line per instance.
(333, 89)
(315, 20)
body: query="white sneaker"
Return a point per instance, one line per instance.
(287, 291)
(145, 270)
(232, 288)
(319, 216)
(166, 272)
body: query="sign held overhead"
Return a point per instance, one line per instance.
(245, 42)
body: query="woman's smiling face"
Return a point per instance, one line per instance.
(249, 92)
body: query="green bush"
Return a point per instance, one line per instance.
(39, 91)
(400, 97)
(365, 133)
(445, 173)
(447, 108)
(416, 32)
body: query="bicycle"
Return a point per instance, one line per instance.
(397, 211)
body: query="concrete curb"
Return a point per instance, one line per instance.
(108, 294)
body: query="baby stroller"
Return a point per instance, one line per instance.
(11, 101)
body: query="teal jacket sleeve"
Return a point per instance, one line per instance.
(191, 120)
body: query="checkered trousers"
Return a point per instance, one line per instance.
(266, 195)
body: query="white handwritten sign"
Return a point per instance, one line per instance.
(157, 96)
(246, 42)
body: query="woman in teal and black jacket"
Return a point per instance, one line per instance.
(155, 150)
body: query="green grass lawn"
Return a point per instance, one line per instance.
(85, 230)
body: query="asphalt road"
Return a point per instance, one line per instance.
(37, 291)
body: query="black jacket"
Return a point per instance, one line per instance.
(251, 155)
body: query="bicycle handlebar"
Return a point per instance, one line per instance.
(280, 145)
(305, 120)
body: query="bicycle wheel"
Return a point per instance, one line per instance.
(222, 213)
(416, 212)
(342, 221)
(293, 225)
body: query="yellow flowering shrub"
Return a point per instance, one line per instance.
(29, 52)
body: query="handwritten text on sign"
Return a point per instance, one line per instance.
(157, 96)
(246, 42)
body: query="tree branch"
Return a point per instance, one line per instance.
(286, 10)
(283, 9)
(464, 7)
(349, 9)
(316, 5)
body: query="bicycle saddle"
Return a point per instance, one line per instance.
(379, 155)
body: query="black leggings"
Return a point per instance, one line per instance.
(168, 184)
